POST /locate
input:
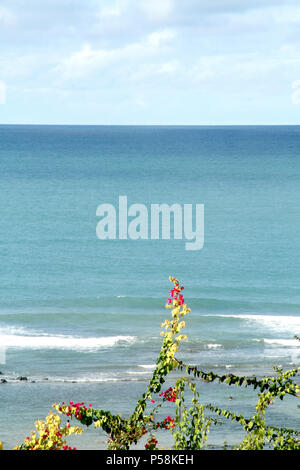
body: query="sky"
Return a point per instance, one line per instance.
(150, 62)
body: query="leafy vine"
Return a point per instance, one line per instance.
(191, 423)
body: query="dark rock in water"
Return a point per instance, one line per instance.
(22, 378)
(3, 381)
(1, 373)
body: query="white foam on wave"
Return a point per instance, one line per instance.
(284, 323)
(147, 366)
(134, 372)
(283, 342)
(213, 345)
(19, 330)
(25, 340)
(82, 380)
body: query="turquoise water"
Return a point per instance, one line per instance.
(80, 317)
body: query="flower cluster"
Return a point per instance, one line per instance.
(73, 409)
(151, 443)
(170, 394)
(179, 309)
(50, 435)
(168, 423)
(175, 292)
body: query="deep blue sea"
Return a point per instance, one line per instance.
(80, 317)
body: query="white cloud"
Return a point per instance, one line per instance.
(296, 93)
(82, 62)
(108, 12)
(155, 39)
(140, 102)
(286, 14)
(7, 18)
(2, 92)
(103, 51)
(156, 10)
(154, 73)
(15, 66)
(235, 66)
(169, 67)
(87, 59)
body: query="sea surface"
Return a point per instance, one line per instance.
(80, 317)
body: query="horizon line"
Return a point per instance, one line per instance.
(147, 125)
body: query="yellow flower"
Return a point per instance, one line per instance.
(181, 337)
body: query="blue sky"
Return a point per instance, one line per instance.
(150, 62)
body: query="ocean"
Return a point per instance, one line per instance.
(80, 316)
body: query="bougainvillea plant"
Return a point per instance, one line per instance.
(191, 421)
